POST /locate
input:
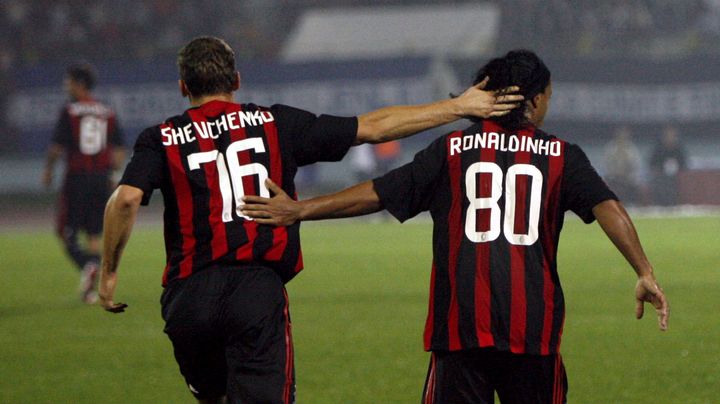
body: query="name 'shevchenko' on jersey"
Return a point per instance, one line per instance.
(502, 142)
(213, 129)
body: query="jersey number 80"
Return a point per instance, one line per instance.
(491, 203)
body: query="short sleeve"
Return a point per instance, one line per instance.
(63, 129)
(408, 190)
(582, 187)
(315, 138)
(145, 169)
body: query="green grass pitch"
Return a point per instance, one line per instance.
(358, 314)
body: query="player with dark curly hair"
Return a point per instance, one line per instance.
(497, 192)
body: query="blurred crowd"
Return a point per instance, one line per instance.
(652, 178)
(588, 28)
(37, 31)
(40, 31)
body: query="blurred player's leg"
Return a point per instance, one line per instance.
(69, 237)
(88, 282)
(89, 276)
(71, 220)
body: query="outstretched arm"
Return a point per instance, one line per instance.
(120, 213)
(281, 210)
(396, 122)
(618, 226)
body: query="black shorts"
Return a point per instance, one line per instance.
(231, 333)
(82, 203)
(475, 375)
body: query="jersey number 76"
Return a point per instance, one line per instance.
(231, 173)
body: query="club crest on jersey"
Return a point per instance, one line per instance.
(213, 129)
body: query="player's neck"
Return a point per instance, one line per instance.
(198, 101)
(82, 97)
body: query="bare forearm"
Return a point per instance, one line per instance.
(120, 213)
(396, 122)
(118, 227)
(358, 200)
(53, 154)
(618, 226)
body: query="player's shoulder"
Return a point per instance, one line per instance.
(541, 134)
(250, 106)
(567, 146)
(284, 110)
(152, 135)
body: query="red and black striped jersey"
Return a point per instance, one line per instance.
(497, 200)
(205, 160)
(88, 130)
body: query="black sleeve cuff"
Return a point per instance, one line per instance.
(586, 213)
(386, 191)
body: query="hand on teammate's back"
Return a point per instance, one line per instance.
(280, 210)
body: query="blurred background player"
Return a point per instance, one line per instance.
(622, 166)
(224, 304)
(88, 135)
(667, 161)
(497, 192)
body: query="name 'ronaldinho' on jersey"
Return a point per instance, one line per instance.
(234, 120)
(501, 142)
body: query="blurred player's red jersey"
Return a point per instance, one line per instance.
(88, 130)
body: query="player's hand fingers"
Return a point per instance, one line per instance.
(499, 113)
(663, 310)
(269, 221)
(483, 83)
(508, 90)
(250, 199)
(508, 98)
(255, 214)
(273, 187)
(639, 309)
(250, 207)
(116, 308)
(505, 107)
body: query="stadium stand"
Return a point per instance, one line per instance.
(621, 51)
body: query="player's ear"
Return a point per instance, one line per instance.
(236, 83)
(183, 88)
(536, 99)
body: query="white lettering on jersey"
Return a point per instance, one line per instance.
(213, 129)
(503, 142)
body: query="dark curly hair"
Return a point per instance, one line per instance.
(522, 68)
